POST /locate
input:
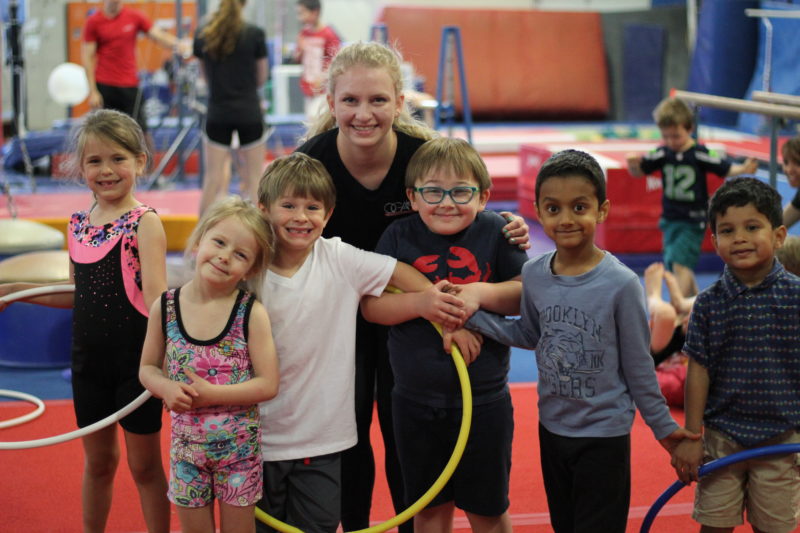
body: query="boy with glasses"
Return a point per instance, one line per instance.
(452, 237)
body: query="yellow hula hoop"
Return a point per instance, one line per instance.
(444, 477)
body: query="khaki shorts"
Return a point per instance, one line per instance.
(768, 487)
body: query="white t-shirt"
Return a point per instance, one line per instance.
(313, 316)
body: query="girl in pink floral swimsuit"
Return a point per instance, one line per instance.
(220, 362)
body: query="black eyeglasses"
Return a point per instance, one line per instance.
(435, 195)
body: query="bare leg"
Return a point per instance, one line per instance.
(686, 280)
(234, 519)
(663, 317)
(217, 174)
(437, 519)
(101, 457)
(490, 524)
(681, 304)
(252, 159)
(144, 461)
(199, 519)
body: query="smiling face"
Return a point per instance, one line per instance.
(569, 211)
(364, 104)
(226, 253)
(297, 221)
(448, 217)
(746, 241)
(110, 170)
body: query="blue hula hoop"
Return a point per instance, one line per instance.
(710, 467)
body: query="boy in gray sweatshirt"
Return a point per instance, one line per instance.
(584, 313)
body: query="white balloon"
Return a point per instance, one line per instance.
(68, 84)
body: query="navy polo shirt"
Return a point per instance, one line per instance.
(748, 338)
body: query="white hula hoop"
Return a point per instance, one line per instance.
(38, 291)
(26, 417)
(100, 424)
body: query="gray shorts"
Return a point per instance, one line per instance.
(305, 493)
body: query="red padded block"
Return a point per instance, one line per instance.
(517, 62)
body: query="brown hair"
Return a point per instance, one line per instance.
(300, 175)
(673, 112)
(107, 125)
(446, 153)
(222, 30)
(790, 151)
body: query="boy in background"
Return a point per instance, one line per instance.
(790, 154)
(743, 383)
(683, 164)
(312, 289)
(452, 237)
(317, 43)
(583, 312)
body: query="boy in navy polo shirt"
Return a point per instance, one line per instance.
(743, 382)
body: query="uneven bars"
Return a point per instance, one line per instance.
(737, 104)
(773, 13)
(776, 98)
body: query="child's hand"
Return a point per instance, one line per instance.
(671, 441)
(516, 231)
(437, 304)
(179, 397)
(201, 387)
(686, 460)
(468, 342)
(634, 162)
(750, 166)
(471, 298)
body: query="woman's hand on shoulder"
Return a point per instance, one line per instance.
(516, 231)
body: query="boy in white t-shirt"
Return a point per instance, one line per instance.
(312, 291)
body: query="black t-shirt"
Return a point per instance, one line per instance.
(423, 371)
(683, 177)
(361, 215)
(232, 81)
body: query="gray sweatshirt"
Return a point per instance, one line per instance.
(591, 337)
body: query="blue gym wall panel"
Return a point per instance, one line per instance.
(642, 69)
(784, 73)
(724, 55)
(676, 54)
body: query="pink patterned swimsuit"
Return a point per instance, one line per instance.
(216, 450)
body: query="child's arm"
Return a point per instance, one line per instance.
(502, 298)
(262, 386)
(634, 162)
(523, 332)
(750, 166)
(177, 396)
(152, 257)
(420, 298)
(688, 455)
